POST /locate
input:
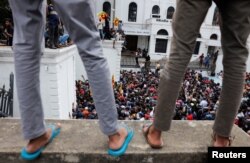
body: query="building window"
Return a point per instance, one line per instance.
(162, 32)
(161, 43)
(156, 9)
(107, 7)
(170, 12)
(213, 37)
(132, 12)
(197, 46)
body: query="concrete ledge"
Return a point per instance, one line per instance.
(82, 141)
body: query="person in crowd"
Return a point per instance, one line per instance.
(106, 30)
(201, 58)
(28, 35)
(53, 24)
(8, 32)
(215, 56)
(120, 30)
(157, 68)
(147, 63)
(207, 61)
(234, 15)
(137, 57)
(100, 26)
(3, 36)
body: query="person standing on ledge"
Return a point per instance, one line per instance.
(79, 21)
(235, 29)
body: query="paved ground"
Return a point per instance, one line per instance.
(82, 141)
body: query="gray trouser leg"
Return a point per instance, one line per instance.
(78, 17)
(235, 30)
(28, 36)
(188, 18)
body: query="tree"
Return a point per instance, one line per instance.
(5, 11)
(4, 4)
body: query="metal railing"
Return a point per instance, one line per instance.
(6, 99)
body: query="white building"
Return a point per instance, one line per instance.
(147, 24)
(59, 70)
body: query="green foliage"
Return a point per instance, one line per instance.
(5, 11)
(4, 3)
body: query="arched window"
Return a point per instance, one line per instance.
(161, 43)
(213, 37)
(162, 32)
(197, 45)
(107, 7)
(132, 12)
(216, 16)
(170, 12)
(156, 10)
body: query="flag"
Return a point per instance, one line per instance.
(120, 89)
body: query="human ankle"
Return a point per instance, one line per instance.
(221, 141)
(154, 130)
(114, 136)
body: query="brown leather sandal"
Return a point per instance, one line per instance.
(230, 139)
(145, 133)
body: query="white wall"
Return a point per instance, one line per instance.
(66, 83)
(113, 56)
(56, 76)
(210, 14)
(144, 9)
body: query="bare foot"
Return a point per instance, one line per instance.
(153, 136)
(116, 140)
(220, 141)
(35, 144)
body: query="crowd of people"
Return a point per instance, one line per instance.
(136, 98)
(209, 62)
(108, 33)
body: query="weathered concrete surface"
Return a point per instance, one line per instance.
(81, 141)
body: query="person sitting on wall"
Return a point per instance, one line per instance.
(63, 37)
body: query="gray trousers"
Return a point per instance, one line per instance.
(78, 17)
(235, 30)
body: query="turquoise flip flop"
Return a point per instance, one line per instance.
(122, 150)
(31, 156)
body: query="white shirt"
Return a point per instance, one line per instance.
(203, 103)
